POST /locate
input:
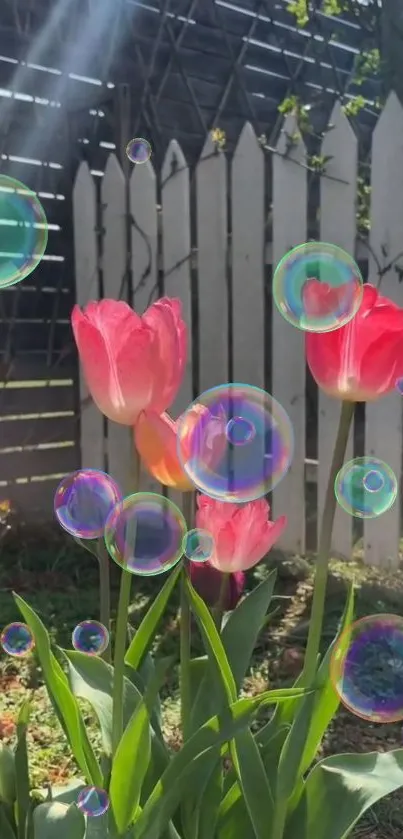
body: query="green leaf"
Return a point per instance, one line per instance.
(8, 790)
(195, 761)
(22, 770)
(212, 642)
(252, 778)
(133, 755)
(146, 631)
(339, 790)
(6, 831)
(62, 698)
(243, 626)
(53, 820)
(209, 804)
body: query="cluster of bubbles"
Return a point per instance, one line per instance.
(23, 231)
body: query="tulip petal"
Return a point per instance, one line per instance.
(155, 439)
(163, 317)
(271, 535)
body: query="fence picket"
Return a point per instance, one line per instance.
(383, 428)
(211, 194)
(87, 287)
(338, 189)
(114, 263)
(288, 357)
(176, 258)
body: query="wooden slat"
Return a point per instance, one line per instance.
(32, 501)
(212, 243)
(248, 306)
(28, 464)
(288, 356)
(31, 432)
(39, 400)
(114, 261)
(87, 287)
(25, 335)
(29, 302)
(338, 226)
(383, 427)
(144, 246)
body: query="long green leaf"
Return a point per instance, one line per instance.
(338, 792)
(6, 831)
(252, 778)
(196, 760)
(209, 804)
(212, 641)
(53, 820)
(62, 698)
(133, 755)
(145, 633)
(22, 770)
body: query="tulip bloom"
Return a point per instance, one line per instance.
(156, 440)
(130, 362)
(207, 582)
(242, 533)
(362, 360)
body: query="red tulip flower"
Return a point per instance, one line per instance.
(207, 582)
(131, 363)
(242, 533)
(156, 440)
(362, 360)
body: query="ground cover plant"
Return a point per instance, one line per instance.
(245, 762)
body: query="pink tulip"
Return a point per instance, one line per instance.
(131, 363)
(242, 533)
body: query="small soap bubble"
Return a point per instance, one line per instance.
(198, 545)
(144, 534)
(239, 431)
(399, 385)
(17, 639)
(317, 287)
(83, 501)
(23, 231)
(90, 637)
(93, 801)
(366, 668)
(255, 458)
(366, 487)
(138, 150)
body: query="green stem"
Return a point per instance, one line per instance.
(185, 629)
(324, 548)
(104, 593)
(218, 610)
(119, 658)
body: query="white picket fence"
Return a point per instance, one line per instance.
(246, 181)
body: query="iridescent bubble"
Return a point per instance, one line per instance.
(144, 534)
(23, 231)
(17, 639)
(239, 431)
(366, 668)
(317, 287)
(93, 801)
(221, 468)
(399, 385)
(366, 487)
(83, 501)
(90, 637)
(198, 545)
(138, 150)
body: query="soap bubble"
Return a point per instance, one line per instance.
(138, 150)
(198, 545)
(367, 668)
(399, 385)
(23, 231)
(317, 287)
(144, 534)
(246, 466)
(366, 487)
(83, 501)
(90, 637)
(17, 639)
(93, 801)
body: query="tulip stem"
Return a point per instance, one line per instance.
(119, 658)
(219, 610)
(324, 548)
(104, 594)
(185, 629)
